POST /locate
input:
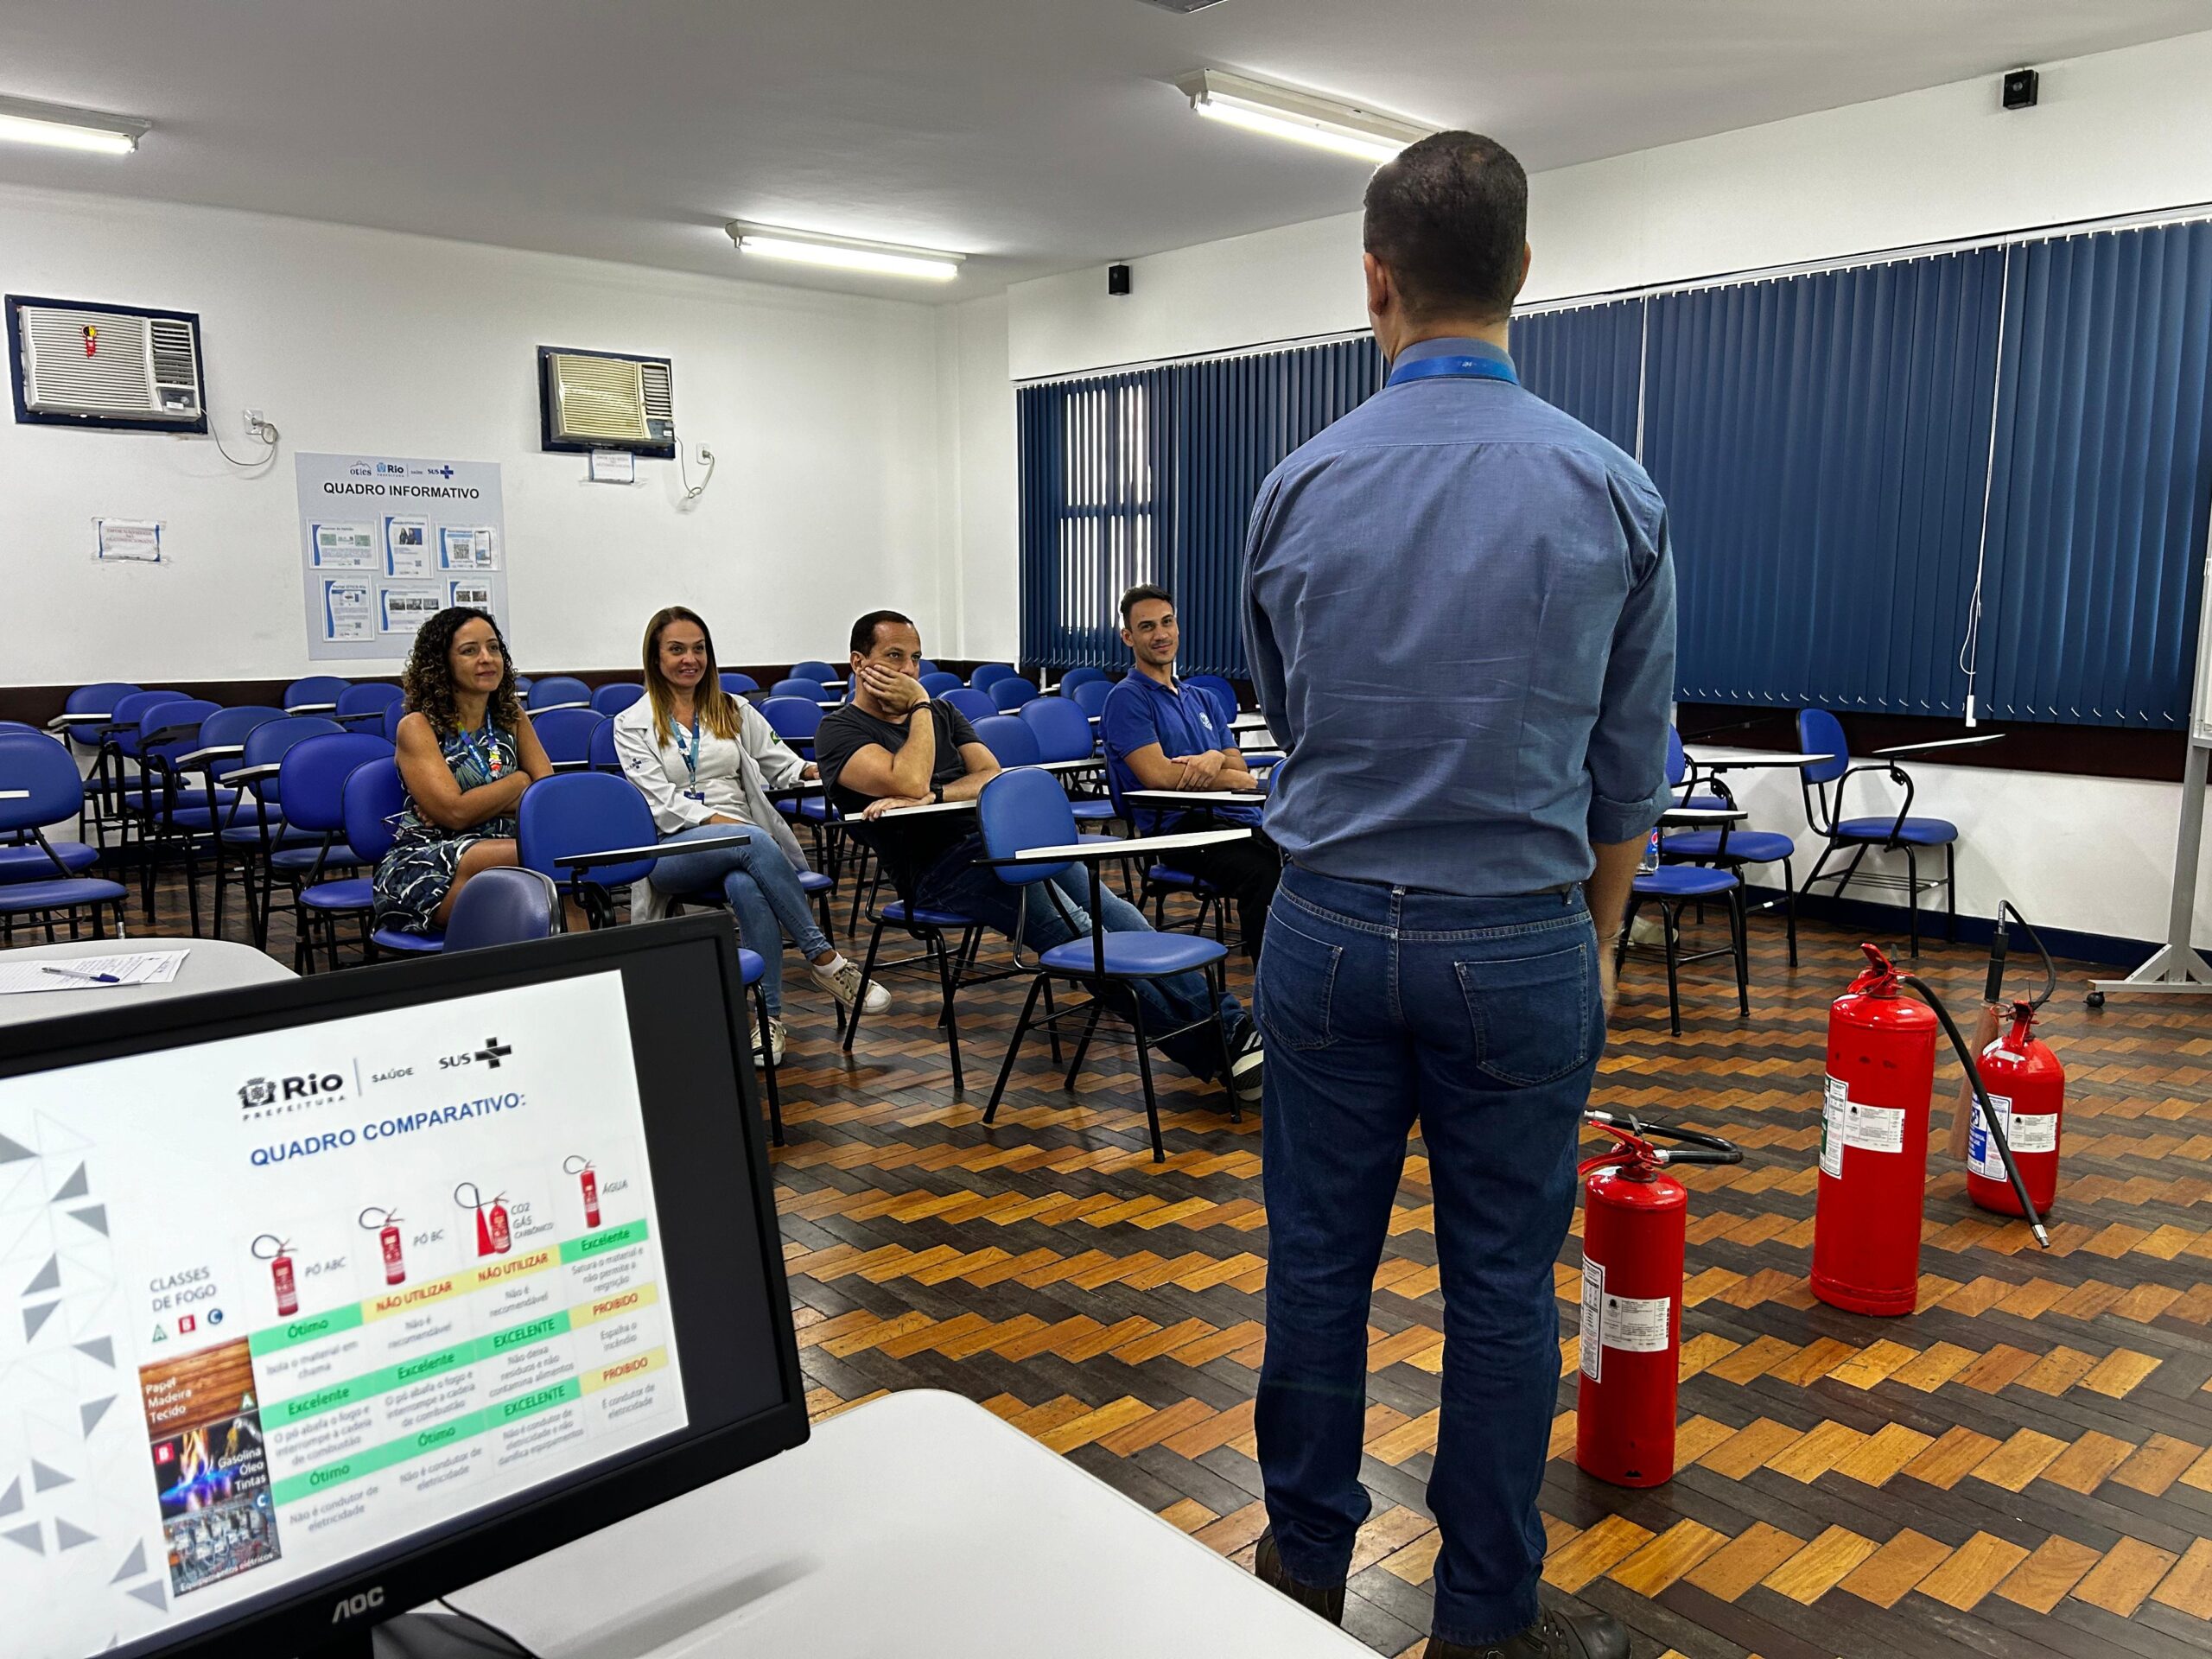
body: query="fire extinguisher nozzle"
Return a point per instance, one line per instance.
(2042, 1237)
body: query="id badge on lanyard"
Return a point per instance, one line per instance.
(484, 749)
(691, 760)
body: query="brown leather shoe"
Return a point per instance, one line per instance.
(1266, 1566)
(1553, 1635)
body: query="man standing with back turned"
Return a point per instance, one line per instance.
(1459, 613)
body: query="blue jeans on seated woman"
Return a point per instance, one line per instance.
(762, 890)
(957, 883)
(1479, 1019)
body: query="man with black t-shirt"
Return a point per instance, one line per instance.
(894, 746)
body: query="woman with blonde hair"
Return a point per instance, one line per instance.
(706, 760)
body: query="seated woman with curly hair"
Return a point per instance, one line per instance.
(467, 754)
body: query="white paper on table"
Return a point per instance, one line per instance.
(405, 611)
(473, 547)
(344, 547)
(346, 613)
(81, 973)
(469, 590)
(137, 541)
(613, 466)
(406, 546)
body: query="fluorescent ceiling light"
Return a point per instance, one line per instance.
(844, 252)
(24, 121)
(1303, 118)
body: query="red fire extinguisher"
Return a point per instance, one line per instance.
(1873, 1180)
(279, 1259)
(386, 1228)
(494, 1237)
(1634, 1218)
(2027, 1087)
(588, 1180)
(502, 1239)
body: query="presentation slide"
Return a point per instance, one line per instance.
(298, 1297)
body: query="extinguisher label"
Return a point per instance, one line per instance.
(1628, 1325)
(2031, 1132)
(1594, 1320)
(1848, 1122)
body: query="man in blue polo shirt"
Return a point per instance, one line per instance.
(1460, 615)
(1160, 733)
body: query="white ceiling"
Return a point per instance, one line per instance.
(1035, 134)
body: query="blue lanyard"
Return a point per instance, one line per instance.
(691, 755)
(485, 755)
(1454, 368)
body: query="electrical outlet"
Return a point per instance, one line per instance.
(253, 420)
(706, 454)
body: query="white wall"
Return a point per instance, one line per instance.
(821, 409)
(979, 593)
(2118, 133)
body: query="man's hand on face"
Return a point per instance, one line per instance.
(895, 691)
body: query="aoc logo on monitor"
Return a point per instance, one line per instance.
(268, 1096)
(354, 1607)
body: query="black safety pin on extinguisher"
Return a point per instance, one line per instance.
(1635, 1135)
(1920, 989)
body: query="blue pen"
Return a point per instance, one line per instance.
(93, 979)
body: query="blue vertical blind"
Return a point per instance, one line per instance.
(1587, 360)
(2104, 468)
(1821, 442)
(1888, 485)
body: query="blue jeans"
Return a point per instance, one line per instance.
(1481, 1019)
(762, 890)
(954, 883)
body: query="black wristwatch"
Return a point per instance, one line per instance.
(937, 796)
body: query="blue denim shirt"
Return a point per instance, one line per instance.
(1460, 617)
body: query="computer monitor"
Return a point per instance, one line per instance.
(332, 1297)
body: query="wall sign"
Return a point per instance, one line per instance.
(386, 542)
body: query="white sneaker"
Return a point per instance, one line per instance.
(776, 1033)
(842, 979)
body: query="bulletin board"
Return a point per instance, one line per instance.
(386, 543)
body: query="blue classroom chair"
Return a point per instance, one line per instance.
(566, 734)
(1010, 693)
(612, 700)
(557, 691)
(312, 777)
(374, 797)
(1820, 732)
(975, 705)
(317, 694)
(40, 786)
(794, 685)
(505, 906)
(988, 675)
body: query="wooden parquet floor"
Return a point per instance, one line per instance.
(2023, 1467)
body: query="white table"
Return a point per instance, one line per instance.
(1750, 760)
(1168, 799)
(214, 965)
(919, 1525)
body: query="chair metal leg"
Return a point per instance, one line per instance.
(1790, 909)
(1051, 1030)
(767, 1053)
(1083, 1043)
(1144, 1071)
(1951, 892)
(1620, 945)
(1671, 923)
(867, 973)
(1913, 898)
(1740, 930)
(1021, 1030)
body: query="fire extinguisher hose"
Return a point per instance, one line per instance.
(1920, 988)
(1998, 942)
(1694, 1145)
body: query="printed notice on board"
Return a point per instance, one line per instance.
(406, 611)
(344, 547)
(409, 526)
(345, 611)
(406, 546)
(473, 547)
(133, 541)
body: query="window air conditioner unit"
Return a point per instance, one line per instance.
(601, 400)
(75, 364)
